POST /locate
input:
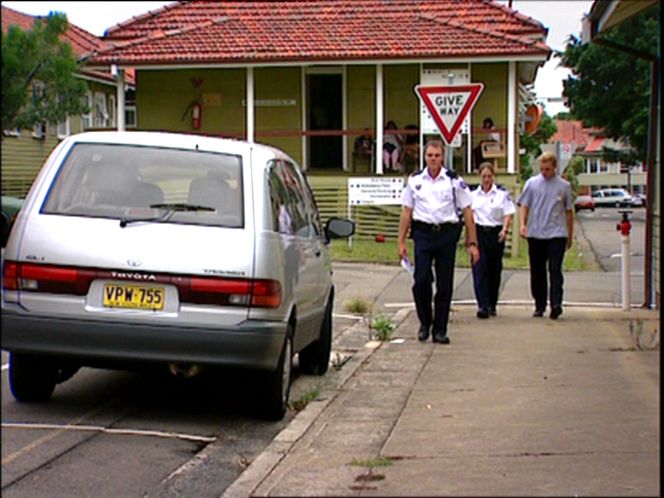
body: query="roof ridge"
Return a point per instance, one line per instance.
(505, 36)
(146, 15)
(155, 35)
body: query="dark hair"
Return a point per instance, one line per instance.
(392, 123)
(488, 121)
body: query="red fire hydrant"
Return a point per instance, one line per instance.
(624, 227)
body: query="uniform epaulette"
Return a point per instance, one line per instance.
(450, 173)
(500, 187)
(415, 173)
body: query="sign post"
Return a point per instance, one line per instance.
(449, 106)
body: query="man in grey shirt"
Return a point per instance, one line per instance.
(546, 213)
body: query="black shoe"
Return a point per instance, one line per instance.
(492, 312)
(556, 311)
(538, 313)
(483, 314)
(441, 338)
(423, 333)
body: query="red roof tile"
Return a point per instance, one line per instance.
(242, 31)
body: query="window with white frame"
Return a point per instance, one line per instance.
(87, 117)
(111, 112)
(100, 110)
(130, 116)
(64, 128)
(38, 90)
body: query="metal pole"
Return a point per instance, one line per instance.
(626, 298)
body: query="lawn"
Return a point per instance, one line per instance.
(369, 251)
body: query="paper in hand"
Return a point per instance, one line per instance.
(407, 265)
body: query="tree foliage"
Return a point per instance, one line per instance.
(38, 55)
(610, 88)
(545, 130)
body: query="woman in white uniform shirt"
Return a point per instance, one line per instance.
(493, 211)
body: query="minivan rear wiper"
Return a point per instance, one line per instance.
(170, 209)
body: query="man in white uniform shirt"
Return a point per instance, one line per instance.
(493, 211)
(432, 202)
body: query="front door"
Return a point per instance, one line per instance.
(324, 114)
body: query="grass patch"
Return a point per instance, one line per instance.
(357, 305)
(301, 403)
(369, 251)
(371, 462)
(382, 327)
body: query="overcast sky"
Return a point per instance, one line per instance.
(561, 17)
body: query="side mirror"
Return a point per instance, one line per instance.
(339, 228)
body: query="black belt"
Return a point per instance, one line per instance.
(433, 227)
(489, 228)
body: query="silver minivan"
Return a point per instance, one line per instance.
(165, 248)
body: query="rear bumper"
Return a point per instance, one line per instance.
(252, 344)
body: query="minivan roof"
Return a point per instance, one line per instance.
(175, 140)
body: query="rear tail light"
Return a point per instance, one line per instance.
(231, 292)
(46, 278)
(197, 290)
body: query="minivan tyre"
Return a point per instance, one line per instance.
(275, 386)
(315, 358)
(31, 378)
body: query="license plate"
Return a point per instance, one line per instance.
(133, 296)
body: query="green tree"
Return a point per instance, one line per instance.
(610, 88)
(531, 143)
(38, 55)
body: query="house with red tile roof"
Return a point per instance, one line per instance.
(590, 143)
(311, 76)
(24, 151)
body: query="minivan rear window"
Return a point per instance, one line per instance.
(136, 183)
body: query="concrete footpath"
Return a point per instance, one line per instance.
(514, 406)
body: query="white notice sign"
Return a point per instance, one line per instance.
(374, 190)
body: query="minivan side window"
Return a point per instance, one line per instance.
(290, 210)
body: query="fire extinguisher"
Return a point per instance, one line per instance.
(196, 115)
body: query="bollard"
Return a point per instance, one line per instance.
(624, 228)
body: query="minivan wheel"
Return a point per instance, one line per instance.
(315, 358)
(276, 385)
(31, 378)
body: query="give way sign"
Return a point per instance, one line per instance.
(449, 105)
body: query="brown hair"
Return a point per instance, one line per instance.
(486, 165)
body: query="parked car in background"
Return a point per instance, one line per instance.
(612, 197)
(10, 209)
(639, 200)
(168, 249)
(584, 202)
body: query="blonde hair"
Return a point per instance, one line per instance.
(486, 165)
(549, 157)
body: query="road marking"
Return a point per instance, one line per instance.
(5, 367)
(109, 430)
(352, 317)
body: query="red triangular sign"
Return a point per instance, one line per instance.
(449, 105)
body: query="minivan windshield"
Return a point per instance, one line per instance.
(149, 184)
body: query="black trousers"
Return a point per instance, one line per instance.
(543, 252)
(435, 248)
(487, 271)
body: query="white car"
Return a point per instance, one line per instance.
(173, 249)
(616, 197)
